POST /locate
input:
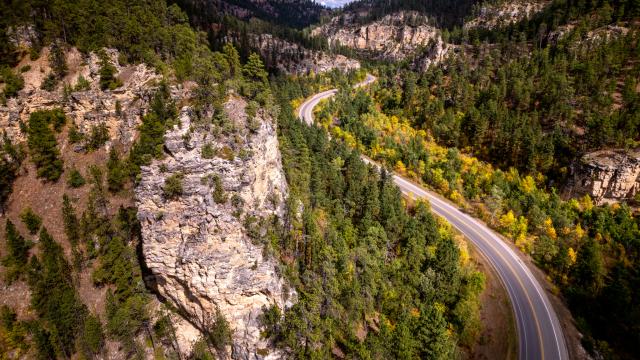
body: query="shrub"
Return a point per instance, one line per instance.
(218, 191)
(99, 136)
(17, 253)
(226, 153)
(207, 151)
(173, 186)
(31, 220)
(116, 172)
(82, 84)
(13, 82)
(49, 83)
(75, 179)
(92, 336)
(108, 79)
(219, 333)
(57, 60)
(75, 136)
(42, 143)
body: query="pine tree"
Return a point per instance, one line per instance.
(254, 69)
(233, 58)
(17, 253)
(43, 146)
(116, 172)
(70, 220)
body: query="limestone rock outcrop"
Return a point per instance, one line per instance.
(491, 15)
(393, 37)
(120, 109)
(608, 176)
(292, 58)
(197, 245)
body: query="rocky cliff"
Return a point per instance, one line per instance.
(292, 58)
(196, 245)
(120, 110)
(607, 176)
(393, 37)
(501, 14)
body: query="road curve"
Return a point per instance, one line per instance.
(540, 334)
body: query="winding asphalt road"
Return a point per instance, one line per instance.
(540, 334)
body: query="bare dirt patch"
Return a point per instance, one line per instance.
(45, 199)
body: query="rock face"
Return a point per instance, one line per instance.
(87, 107)
(294, 59)
(393, 37)
(607, 176)
(492, 16)
(196, 245)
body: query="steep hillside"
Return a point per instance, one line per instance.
(148, 212)
(393, 37)
(292, 58)
(292, 13)
(525, 111)
(490, 15)
(442, 13)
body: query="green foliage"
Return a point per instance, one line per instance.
(12, 82)
(31, 220)
(98, 137)
(92, 336)
(49, 83)
(207, 151)
(82, 84)
(126, 318)
(116, 172)
(42, 142)
(70, 221)
(57, 60)
(360, 260)
(254, 68)
(17, 253)
(12, 332)
(43, 343)
(53, 297)
(201, 351)
(151, 140)
(10, 159)
(219, 332)
(75, 178)
(172, 188)
(108, 79)
(218, 194)
(75, 136)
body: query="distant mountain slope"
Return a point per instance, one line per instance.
(292, 13)
(444, 13)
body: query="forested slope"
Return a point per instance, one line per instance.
(496, 128)
(374, 277)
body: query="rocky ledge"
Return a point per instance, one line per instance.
(607, 176)
(294, 59)
(496, 15)
(120, 110)
(196, 244)
(393, 37)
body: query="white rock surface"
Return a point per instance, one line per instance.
(393, 37)
(294, 59)
(197, 249)
(503, 14)
(608, 176)
(86, 108)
